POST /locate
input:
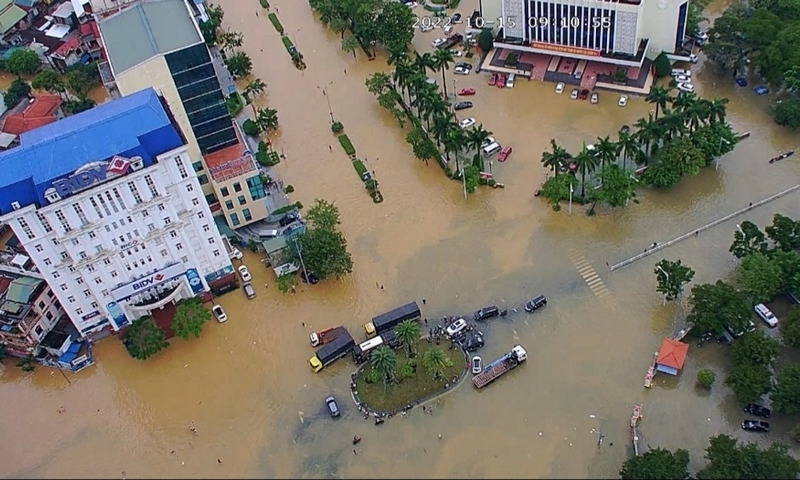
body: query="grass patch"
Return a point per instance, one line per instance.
(287, 42)
(360, 168)
(234, 103)
(347, 145)
(392, 397)
(276, 23)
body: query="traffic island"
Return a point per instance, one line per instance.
(363, 174)
(413, 383)
(297, 57)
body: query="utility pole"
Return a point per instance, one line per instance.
(667, 277)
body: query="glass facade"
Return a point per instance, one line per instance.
(571, 25)
(681, 26)
(256, 187)
(201, 95)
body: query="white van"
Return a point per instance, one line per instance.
(766, 315)
(268, 233)
(491, 149)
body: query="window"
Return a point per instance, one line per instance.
(151, 185)
(203, 179)
(198, 166)
(162, 207)
(256, 187)
(82, 255)
(164, 253)
(181, 167)
(41, 305)
(75, 241)
(87, 293)
(107, 261)
(179, 246)
(234, 219)
(79, 311)
(134, 191)
(206, 228)
(49, 315)
(63, 287)
(149, 259)
(228, 204)
(237, 187)
(216, 253)
(108, 229)
(242, 200)
(211, 241)
(145, 213)
(56, 275)
(104, 293)
(92, 235)
(81, 214)
(44, 222)
(94, 305)
(224, 191)
(71, 299)
(79, 281)
(104, 204)
(98, 248)
(114, 241)
(26, 228)
(39, 248)
(98, 281)
(48, 262)
(119, 198)
(247, 215)
(90, 268)
(112, 202)
(200, 215)
(195, 201)
(150, 227)
(114, 274)
(39, 330)
(189, 188)
(167, 221)
(64, 256)
(96, 208)
(185, 259)
(136, 232)
(173, 234)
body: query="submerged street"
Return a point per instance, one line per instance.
(246, 386)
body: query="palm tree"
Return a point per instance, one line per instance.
(439, 129)
(423, 99)
(384, 361)
(442, 59)
(475, 138)
(424, 62)
(684, 101)
(586, 162)
(555, 158)
(403, 71)
(434, 361)
(606, 151)
(454, 141)
(647, 133)
(696, 113)
(255, 87)
(408, 334)
(716, 110)
(267, 119)
(628, 147)
(350, 44)
(230, 39)
(659, 96)
(673, 124)
(396, 58)
(436, 106)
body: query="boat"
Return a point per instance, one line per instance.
(781, 156)
(635, 419)
(651, 373)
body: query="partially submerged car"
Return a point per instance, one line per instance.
(757, 410)
(755, 426)
(535, 303)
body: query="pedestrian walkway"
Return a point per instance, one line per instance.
(660, 246)
(589, 274)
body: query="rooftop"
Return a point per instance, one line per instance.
(10, 15)
(39, 112)
(672, 353)
(145, 30)
(231, 161)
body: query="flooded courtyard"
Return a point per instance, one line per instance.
(246, 385)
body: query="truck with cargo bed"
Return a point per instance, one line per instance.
(389, 320)
(330, 352)
(325, 336)
(362, 351)
(500, 367)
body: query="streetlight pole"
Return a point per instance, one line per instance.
(667, 276)
(570, 198)
(328, 98)
(716, 166)
(300, 254)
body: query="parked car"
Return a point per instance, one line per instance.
(466, 123)
(477, 365)
(699, 34)
(683, 79)
(755, 426)
(249, 290)
(750, 328)
(456, 327)
(766, 315)
(535, 303)
(289, 218)
(560, 87)
(594, 98)
(309, 278)
(426, 28)
(584, 94)
(456, 18)
(510, 80)
(486, 312)
(456, 53)
(623, 100)
(333, 407)
(411, 4)
(501, 80)
(471, 342)
(236, 253)
(459, 70)
(488, 141)
(686, 87)
(693, 58)
(244, 273)
(437, 42)
(466, 91)
(573, 95)
(757, 410)
(219, 313)
(466, 65)
(492, 79)
(462, 105)
(505, 152)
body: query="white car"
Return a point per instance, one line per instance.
(437, 42)
(701, 35)
(678, 71)
(245, 274)
(456, 53)
(693, 58)
(426, 28)
(766, 315)
(219, 313)
(560, 87)
(573, 95)
(488, 141)
(456, 327)
(477, 365)
(683, 79)
(411, 4)
(686, 87)
(466, 123)
(510, 80)
(623, 100)
(236, 253)
(461, 70)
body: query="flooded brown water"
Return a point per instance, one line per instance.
(258, 408)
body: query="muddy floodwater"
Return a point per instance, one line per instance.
(246, 385)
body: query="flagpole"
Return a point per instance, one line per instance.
(570, 199)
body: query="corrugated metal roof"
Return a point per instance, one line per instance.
(10, 16)
(146, 30)
(21, 289)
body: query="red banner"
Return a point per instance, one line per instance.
(565, 49)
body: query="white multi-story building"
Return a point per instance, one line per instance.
(107, 206)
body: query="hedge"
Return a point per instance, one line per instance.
(264, 3)
(250, 128)
(287, 208)
(348, 147)
(360, 168)
(276, 23)
(287, 42)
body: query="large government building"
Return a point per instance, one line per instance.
(110, 211)
(621, 32)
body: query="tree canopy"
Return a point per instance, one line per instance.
(760, 277)
(677, 275)
(729, 460)
(324, 247)
(23, 62)
(144, 339)
(715, 305)
(786, 392)
(790, 326)
(755, 348)
(383, 22)
(190, 315)
(657, 463)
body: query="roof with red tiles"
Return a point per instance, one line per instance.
(41, 111)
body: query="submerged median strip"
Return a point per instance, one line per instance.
(363, 173)
(297, 57)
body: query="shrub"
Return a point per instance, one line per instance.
(337, 127)
(251, 128)
(234, 104)
(261, 158)
(621, 75)
(287, 42)
(662, 65)
(287, 208)
(371, 184)
(512, 59)
(492, 182)
(483, 181)
(276, 23)
(360, 168)
(263, 146)
(453, 3)
(288, 189)
(705, 378)
(348, 147)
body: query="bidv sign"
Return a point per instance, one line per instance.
(94, 173)
(147, 282)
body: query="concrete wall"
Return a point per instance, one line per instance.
(658, 23)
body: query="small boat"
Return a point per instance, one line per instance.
(781, 156)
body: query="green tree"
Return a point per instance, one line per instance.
(677, 158)
(472, 177)
(785, 232)
(350, 45)
(408, 334)
(617, 187)
(726, 47)
(79, 83)
(395, 25)
(787, 112)
(254, 88)
(755, 348)
(760, 277)
(434, 361)
(323, 214)
(339, 25)
(586, 162)
(786, 393)
(727, 460)
(790, 326)
(267, 119)
(378, 83)
(48, 81)
(23, 62)
(485, 40)
(421, 145)
(16, 92)
(210, 27)
(660, 97)
(749, 382)
(442, 59)
(556, 189)
(384, 361)
(747, 239)
(287, 282)
(323, 245)
(144, 339)
(657, 463)
(677, 275)
(715, 305)
(239, 64)
(230, 39)
(190, 315)
(556, 157)
(789, 264)
(706, 378)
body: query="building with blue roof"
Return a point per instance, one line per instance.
(107, 206)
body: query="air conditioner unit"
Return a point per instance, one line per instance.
(15, 205)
